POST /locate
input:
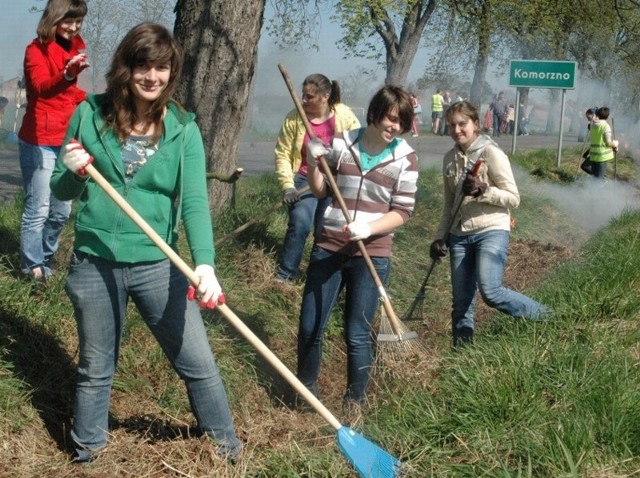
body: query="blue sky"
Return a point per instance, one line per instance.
(17, 30)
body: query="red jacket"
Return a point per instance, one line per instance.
(51, 99)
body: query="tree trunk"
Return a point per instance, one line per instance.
(524, 96)
(398, 66)
(220, 42)
(482, 60)
(400, 52)
(553, 117)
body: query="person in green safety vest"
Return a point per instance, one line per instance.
(602, 145)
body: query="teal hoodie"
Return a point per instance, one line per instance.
(171, 186)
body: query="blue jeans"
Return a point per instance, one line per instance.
(477, 261)
(307, 212)
(99, 291)
(599, 169)
(44, 216)
(497, 119)
(328, 273)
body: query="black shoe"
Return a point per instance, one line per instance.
(462, 337)
(586, 167)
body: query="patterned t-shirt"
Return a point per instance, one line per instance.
(136, 151)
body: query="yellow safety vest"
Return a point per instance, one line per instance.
(436, 103)
(599, 151)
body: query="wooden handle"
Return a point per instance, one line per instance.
(239, 229)
(386, 303)
(476, 167)
(224, 310)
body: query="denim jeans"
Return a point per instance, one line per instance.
(477, 261)
(99, 290)
(599, 169)
(44, 216)
(328, 273)
(304, 213)
(496, 124)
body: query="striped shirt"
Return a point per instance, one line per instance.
(389, 186)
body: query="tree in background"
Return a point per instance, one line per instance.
(387, 32)
(473, 34)
(628, 94)
(220, 42)
(461, 38)
(398, 24)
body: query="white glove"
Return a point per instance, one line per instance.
(316, 149)
(75, 158)
(358, 231)
(209, 289)
(615, 143)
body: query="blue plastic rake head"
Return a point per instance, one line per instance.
(367, 458)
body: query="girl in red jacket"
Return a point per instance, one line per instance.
(52, 64)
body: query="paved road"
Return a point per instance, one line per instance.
(256, 157)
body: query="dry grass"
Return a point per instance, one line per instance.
(151, 433)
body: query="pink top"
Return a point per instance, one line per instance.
(324, 131)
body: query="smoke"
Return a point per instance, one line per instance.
(591, 203)
(270, 101)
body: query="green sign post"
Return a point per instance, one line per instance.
(542, 74)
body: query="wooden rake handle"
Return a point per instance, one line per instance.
(259, 218)
(584, 148)
(393, 318)
(223, 308)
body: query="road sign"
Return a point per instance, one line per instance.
(542, 74)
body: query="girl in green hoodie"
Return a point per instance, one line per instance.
(151, 151)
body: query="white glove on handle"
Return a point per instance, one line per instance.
(358, 231)
(209, 289)
(75, 158)
(316, 149)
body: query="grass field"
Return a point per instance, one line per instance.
(553, 399)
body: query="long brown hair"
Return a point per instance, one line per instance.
(144, 44)
(55, 11)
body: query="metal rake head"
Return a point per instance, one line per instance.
(416, 309)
